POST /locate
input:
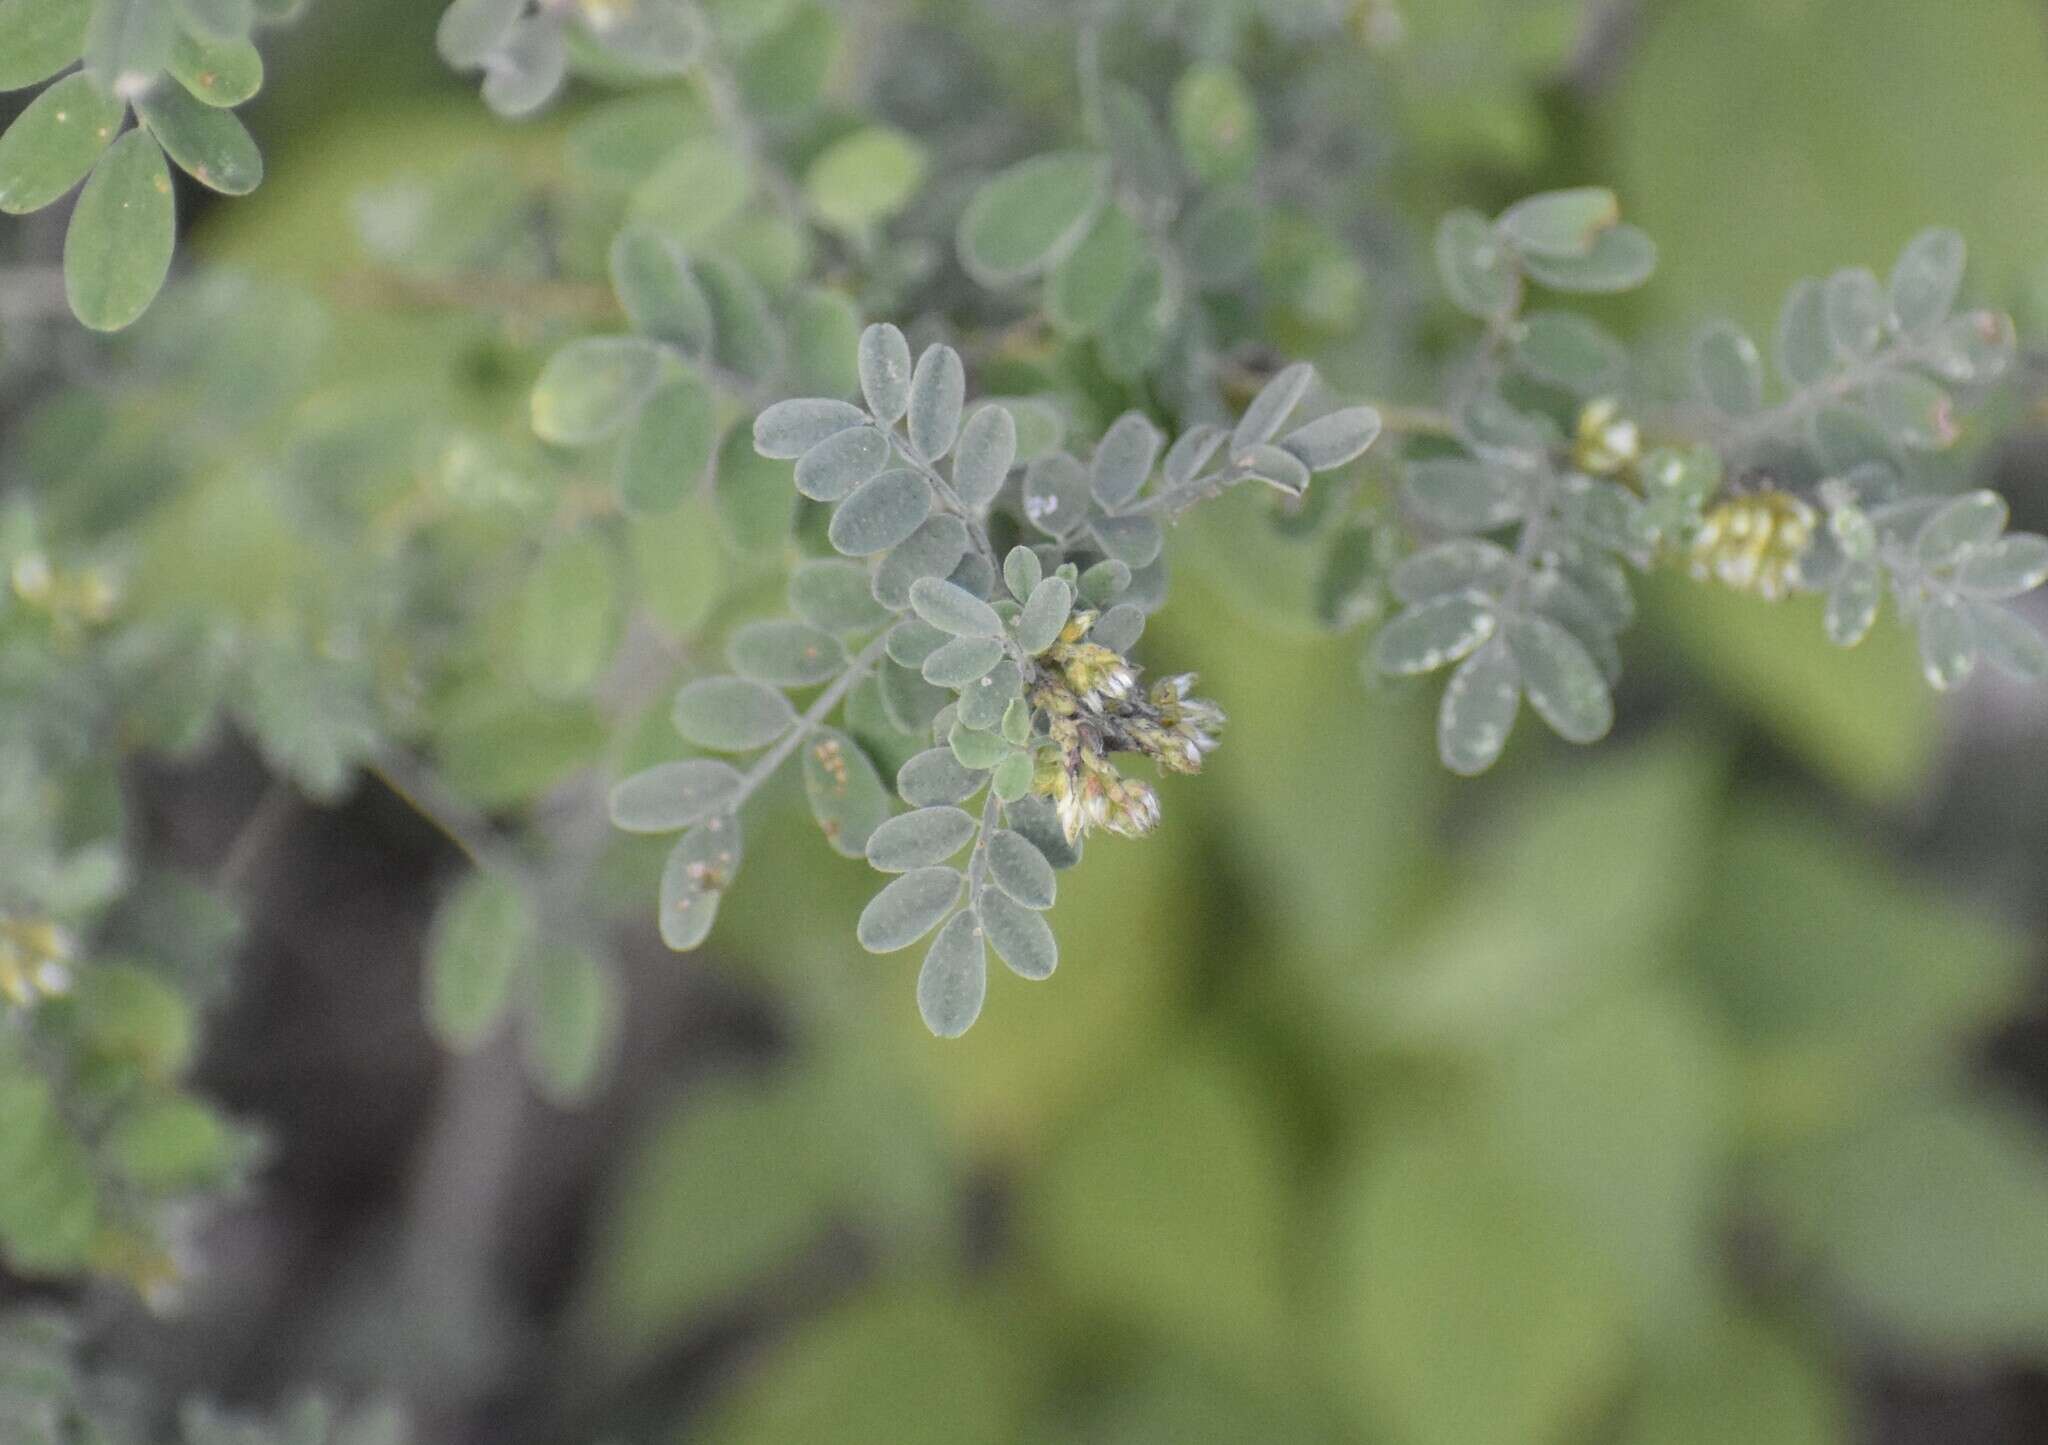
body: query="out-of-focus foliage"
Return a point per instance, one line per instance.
(860, 393)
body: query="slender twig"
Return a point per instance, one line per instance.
(948, 498)
(254, 838)
(813, 715)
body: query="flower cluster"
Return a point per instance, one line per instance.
(1754, 543)
(35, 957)
(1092, 705)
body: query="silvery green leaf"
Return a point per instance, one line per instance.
(1974, 348)
(1020, 937)
(975, 575)
(934, 778)
(1845, 438)
(976, 748)
(1852, 603)
(988, 449)
(1275, 466)
(1926, 281)
(1853, 532)
(961, 661)
(1034, 816)
(524, 73)
(788, 429)
(912, 640)
(1119, 628)
(1605, 583)
(1478, 709)
(1013, 775)
(1022, 572)
(1041, 425)
(1913, 410)
(920, 839)
(951, 609)
(1039, 624)
(1567, 350)
(471, 29)
(1560, 223)
(835, 595)
(786, 653)
(1453, 566)
(880, 513)
(1435, 633)
(1477, 271)
(653, 281)
(1331, 441)
(1604, 513)
(699, 868)
(1970, 520)
(1104, 582)
(885, 372)
(1561, 678)
(1124, 459)
(1135, 541)
(1027, 218)
(731, 714)
(669, 796)
(1806, 352)
(844, 790)
(1016, 724)
(911, 703)
(1728, 370)
(1553, 595)
(984, 700)
(2004, 568)
(953, 981)
(1854, 304)
(1270, 409)
(933, 550)
(1463, 496)
(591, 388)
(687, 913)
(1055, 494)
(938, 390)
(1495, 429)
(1191, 452)
(841, 462)
(1948, 643)
(1020, 870)
(2013, 644)
(908, 909)
(1622, 258)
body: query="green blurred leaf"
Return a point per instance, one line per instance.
(865, 177)
(569, 616)
(1030, 216)
(572, 1019)
(54, 142)
(117, 251)
(481, 935)
(38, 38)
(208, 143)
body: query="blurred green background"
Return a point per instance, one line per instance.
(1687, 1090)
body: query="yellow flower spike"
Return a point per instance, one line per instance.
(1754, 543)
(1607, 442)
